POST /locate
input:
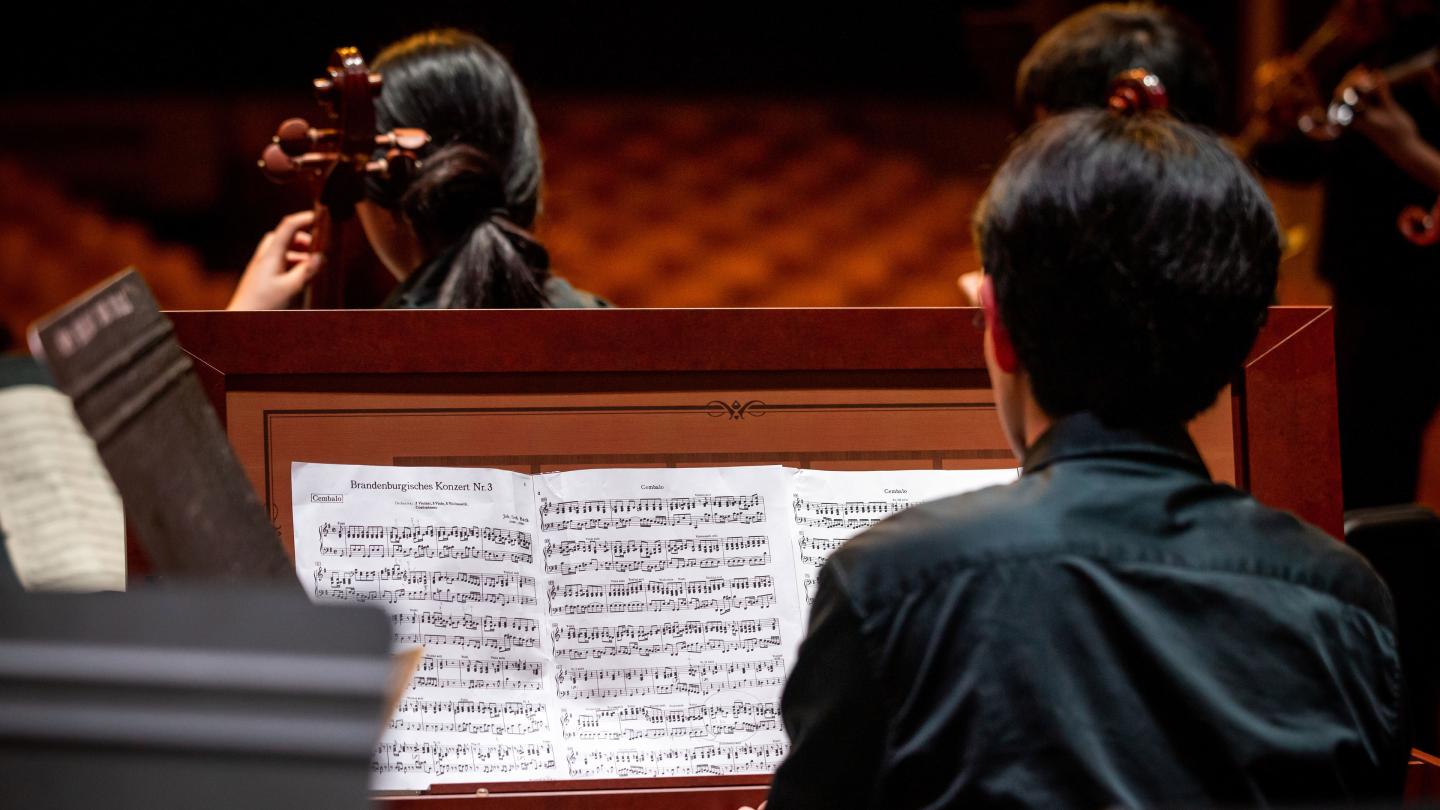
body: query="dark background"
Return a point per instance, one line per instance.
(950, 50)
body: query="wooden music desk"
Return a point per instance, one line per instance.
(534, 391)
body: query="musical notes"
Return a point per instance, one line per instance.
(368, 584)
(663, 595)
(495, 632)
(470, 717)
(690, 679)
(714, 760)
(711, 722)
(672, 612)
(669, 639)
(828, 508)
(455, 566)
(445, 759)
(622, 513)
(426, 542)
(630, 554)
(590, 623)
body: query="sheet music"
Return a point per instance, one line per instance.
(451, 554)
(594, 623)
(673, 617)
(64, 527)
(829, 507)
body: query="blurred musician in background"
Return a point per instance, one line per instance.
(1071, 67)
(457, 235)
(1385, 286)
(1114, 629)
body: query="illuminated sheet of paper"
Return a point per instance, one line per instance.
(594, 623)
(63, 523)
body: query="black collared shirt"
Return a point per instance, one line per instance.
(1112, 629)
(421, 289)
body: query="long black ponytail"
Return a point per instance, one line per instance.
(477, 191)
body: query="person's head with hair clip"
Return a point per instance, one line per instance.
(476, 190)
(1129, 260)
(1071, 66)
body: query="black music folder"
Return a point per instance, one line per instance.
(136, 393)
(222, 697)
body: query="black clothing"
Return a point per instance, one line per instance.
(421, 289)
(1386, 333)
(1112, 629)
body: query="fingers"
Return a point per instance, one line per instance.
(281, 267)
(291, 225)
(300, 273)
(313, 264)
(1361, 82)
(1380, 90)
(287, 235)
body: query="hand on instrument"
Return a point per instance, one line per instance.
(1285, 93)
(1378, 117)
(281, 267)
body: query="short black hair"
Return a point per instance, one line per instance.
(1133, 258)
(1071, 66)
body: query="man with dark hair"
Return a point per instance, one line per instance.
(1073, 63)
(1115, 628)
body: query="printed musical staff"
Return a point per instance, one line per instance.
(692, 511)
(494, 632)
(738, 719)
(672, 600)
(816, 550)
(663, 595)
(583, 683)
(687, 630)
(626, 555)
(426, 542)
(829, 508)
(470, 717)
(396, 583)
(671, 648)
(465, 673)
(718, 759)
(462, 758)
(844, 514)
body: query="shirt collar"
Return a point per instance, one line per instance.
(421, 289)
(1085, 435)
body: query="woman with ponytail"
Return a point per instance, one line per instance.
(457, 233)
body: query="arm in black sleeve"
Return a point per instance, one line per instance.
(832, 711)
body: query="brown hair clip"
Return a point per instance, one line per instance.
(1136, 91)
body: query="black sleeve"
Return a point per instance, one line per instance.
(832, 711)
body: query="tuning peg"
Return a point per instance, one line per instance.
(403, 166)
(377, 82)
(404, 138)
(397, 165)
(294, 136)
(277, 165)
